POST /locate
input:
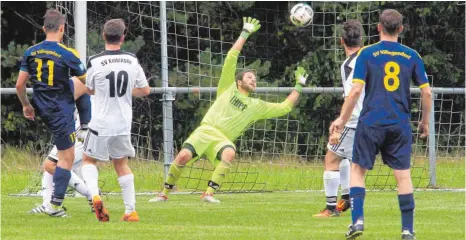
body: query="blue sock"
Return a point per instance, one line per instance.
(406, 202)
(61, 178)
(357, 195)
(83, 104)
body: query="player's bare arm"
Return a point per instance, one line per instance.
(79, 88)
(347, 108)
(28, 110)
(141, 92)
(426, 98)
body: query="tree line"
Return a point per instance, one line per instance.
(200, 34)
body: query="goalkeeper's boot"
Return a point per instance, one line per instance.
(327, 213)
(209, 197)
(160, 198)
(343, 205)
(130, 217)
(37, 210)
(55, 211)
(100, 212)
(406, 235)
(355, 230)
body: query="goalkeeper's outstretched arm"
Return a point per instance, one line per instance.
(271, 110)
(250, 25)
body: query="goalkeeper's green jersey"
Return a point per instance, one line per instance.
(232, 112)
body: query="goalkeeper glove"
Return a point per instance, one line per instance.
(250, 25)
(301, 76)
(82, 132)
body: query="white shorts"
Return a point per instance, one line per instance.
(344, 148)
(78, 155)
(105, 147)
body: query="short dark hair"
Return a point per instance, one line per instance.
(391, 20)
(114, 29)
(53, 19)
(240, 75)
(352, 33)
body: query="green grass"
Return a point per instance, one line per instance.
(239, 216)
(276, 215)
(22, 167)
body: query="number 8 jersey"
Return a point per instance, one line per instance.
(387, 69)
(112, 75)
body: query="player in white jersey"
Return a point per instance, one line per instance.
(50, 162)
(340, 147)
(113, 78)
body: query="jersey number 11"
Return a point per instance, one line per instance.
(121, 83)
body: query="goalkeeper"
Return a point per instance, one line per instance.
(230, 115)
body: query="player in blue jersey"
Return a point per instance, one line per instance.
(49, 65)
(385, 71)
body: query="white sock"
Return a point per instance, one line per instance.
(79, 185)
(331, 183)
(345, 168)
(129, 196)
(47, 188)
(91, 178)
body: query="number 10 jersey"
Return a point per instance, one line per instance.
(113, 75)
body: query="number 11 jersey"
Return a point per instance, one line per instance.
(113, 75)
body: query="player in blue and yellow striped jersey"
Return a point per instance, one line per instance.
(49, 66)
(385, 70)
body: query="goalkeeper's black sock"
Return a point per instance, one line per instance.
(406, 202)
(345, 197)
(331, 202)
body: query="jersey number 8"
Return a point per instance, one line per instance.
(392, 69)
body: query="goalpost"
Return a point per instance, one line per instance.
(182, 46)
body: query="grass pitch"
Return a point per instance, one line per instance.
(277, 215)
(239, 216)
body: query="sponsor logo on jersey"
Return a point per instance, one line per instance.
(235, 102)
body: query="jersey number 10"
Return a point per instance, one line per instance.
(392, 69)
(121, 83)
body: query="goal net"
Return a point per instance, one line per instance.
(281, 154)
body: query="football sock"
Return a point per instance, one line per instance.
(79, 185)
(331, 182)
(129, 196)
(91, 178)
(218, 176)
(83, 104)
(174, 173)
(345, 168)
(357, 195)
(406, 202)
(61, 179)
(47, 188)
(345, 197)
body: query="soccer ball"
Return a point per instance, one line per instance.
(301, 15)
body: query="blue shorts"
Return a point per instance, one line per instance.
(393, 142)
(62, 129)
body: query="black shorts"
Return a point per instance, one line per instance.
(393, 142)
(63, 130)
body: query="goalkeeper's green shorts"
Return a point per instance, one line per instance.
(208, 141)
